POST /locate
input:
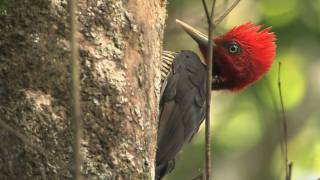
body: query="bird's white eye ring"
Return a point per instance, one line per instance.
(234, 48)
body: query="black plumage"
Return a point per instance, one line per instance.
(182, 108)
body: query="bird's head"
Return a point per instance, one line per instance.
(241, 56)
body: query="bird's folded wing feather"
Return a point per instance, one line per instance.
(182, 104)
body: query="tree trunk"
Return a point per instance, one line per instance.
(120, 45)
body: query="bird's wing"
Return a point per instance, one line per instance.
(182, 105)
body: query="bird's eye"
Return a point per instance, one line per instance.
(234, 48)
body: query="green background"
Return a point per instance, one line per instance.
(246, 127)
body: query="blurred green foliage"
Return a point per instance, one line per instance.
(4, 3)
(246, 127)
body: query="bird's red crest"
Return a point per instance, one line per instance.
(258, 52)
(260, 43)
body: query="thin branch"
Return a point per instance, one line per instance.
(198, 177)
(205, 7)
(226, 13)
(208, 173)
(288, 165)
(277, 113)
(212, 10)
(75, 73)
(290, 170)
(209, 57)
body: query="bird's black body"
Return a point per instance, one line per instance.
(182, 108)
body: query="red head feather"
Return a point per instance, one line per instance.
(242, 56)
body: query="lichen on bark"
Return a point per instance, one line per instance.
(120, 45)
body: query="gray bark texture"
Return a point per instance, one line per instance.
(120, 43)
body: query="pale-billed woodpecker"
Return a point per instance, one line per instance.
(240, 57)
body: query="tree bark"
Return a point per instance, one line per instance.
(120, 44)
